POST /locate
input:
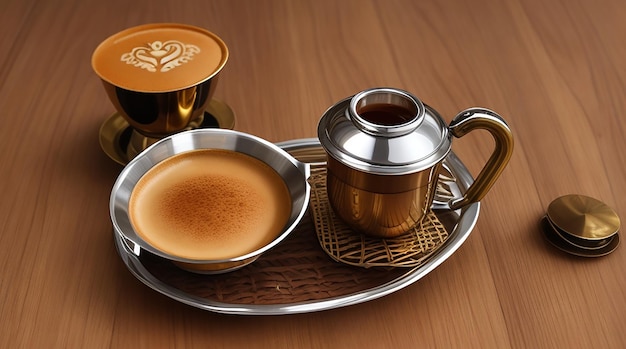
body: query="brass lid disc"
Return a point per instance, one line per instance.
(583, 217)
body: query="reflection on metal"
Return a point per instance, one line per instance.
(582, 226)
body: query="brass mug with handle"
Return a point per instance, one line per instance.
(385, 148)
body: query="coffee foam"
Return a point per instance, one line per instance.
(159, 57)
(210, 204)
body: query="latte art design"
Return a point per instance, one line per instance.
(160, 56)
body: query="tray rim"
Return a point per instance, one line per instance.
(468, 216)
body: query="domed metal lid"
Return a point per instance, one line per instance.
(384, 131)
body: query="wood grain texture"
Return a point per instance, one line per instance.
(553, 69)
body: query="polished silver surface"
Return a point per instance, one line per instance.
(461, 222)
(293, 172)
(396, 149)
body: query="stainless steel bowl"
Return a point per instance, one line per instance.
(294, 173)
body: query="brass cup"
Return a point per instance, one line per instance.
(159, 77)
(376, 204)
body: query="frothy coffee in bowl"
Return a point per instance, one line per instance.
(210, 204)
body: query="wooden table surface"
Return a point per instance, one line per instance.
(554, 69)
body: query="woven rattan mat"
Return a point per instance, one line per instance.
(342, 244)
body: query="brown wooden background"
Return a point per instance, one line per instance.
(556, 70)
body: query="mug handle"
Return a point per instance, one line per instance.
(485, 119)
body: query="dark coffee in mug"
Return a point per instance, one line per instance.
(386, 114)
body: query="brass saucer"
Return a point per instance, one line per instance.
(115, 133)
(567, 246)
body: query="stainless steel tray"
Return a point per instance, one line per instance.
(283, 278)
